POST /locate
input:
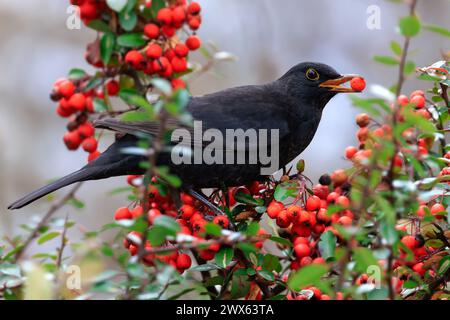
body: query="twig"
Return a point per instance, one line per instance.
(63, 244)
(53, 209)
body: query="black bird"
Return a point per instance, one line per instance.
(292, 104)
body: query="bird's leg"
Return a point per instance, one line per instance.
(225, 195)
(202, 198)
(175, 195)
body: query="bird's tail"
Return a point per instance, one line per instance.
(83, 174)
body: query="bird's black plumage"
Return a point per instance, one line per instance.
(292, 104)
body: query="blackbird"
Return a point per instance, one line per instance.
(292, 105)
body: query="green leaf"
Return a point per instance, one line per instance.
(308, 275)
(213, 229)
(107, 43)
(167, 223)
(437, 29)
(117, 5)
(205, 267)
(76, 74)
(410, 66)
(388, 232)
(286, 190)
(247, 199)
(164, 173)
(386, 60)
(396, 48)
(47, 237)
(156, 6)
(128, 20)
(364, 258)
(409, 26)
(131, 40)
(76, 203)
(132, 116)
(157, 235)
(252, 229)
(282, 241)
(271, 263)
(224, 257)
(132, 97)
(266, 275)
(99, 25)
(327, 245)
(163, 86)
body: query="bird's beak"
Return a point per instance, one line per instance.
(336, 84)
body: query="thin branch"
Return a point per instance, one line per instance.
(63, 244)
(53, 209)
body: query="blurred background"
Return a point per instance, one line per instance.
(267, 36)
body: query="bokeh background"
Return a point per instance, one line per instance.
(267, 36)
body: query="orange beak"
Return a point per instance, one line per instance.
(336, 84)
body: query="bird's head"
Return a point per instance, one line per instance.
(316, 83)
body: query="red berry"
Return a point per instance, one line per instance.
(362, 120)
(161, 64)
(62, 112)
(137, 212)
(168, 31)
(402, 100)
(72, 140)
(274, 209)
(409, 241)
(152, 214)
(438, 208)
(302, 250)
(154, 51)
(358, 84)
(123, 214)
(194, 23)
(343, 201)
(418, 101)
(164, 16)
(77, 102)
(313, 203)
(94, 155)
(178, 83)
(89, 145)
(179, 64)
(193, 43)
(350, 152)
(151, 30)
(183, 261)
(112, 87)
(417, 93)
(181, 50)
(194, 8)
(283, 219)
(86, 130)
(178, 16)
(222, 221)
(134, 58)
(66, 88)
(187, 211)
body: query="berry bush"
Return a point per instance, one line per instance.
(378, 229)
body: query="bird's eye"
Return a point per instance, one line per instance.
(312, 74)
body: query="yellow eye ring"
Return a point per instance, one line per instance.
(312, 74)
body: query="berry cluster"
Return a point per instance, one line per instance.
(76, 105)
(82, 97)
(168, 59)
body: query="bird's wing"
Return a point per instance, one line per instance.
(242, 108)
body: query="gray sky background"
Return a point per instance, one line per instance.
(268, 36)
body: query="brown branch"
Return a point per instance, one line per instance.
(53, 209)
(63, 244)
